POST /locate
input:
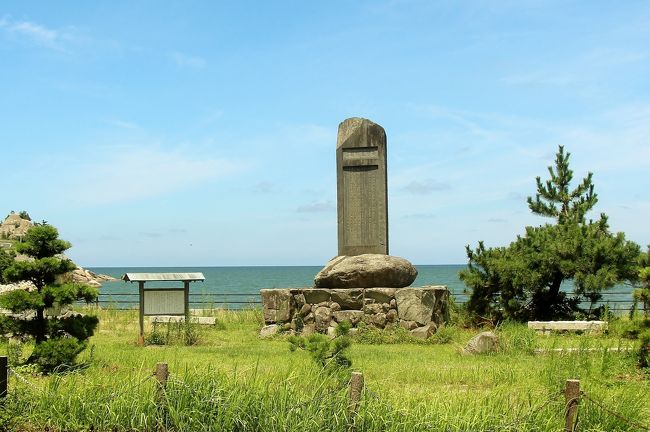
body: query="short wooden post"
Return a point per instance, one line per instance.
(162, 373)
(141, 313)
(4, 375)
(356, 389)
(571, 398)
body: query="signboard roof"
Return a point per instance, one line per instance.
(146, 277)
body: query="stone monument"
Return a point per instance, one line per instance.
(362, 189)
(363, 284)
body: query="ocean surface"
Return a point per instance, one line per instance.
(237, 287)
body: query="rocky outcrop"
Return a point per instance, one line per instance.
(14, 227)
(82, 276)
(308, 310)
(366, 271)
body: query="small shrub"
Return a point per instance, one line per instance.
(156, 337)
(57, 352)
(175, 333)
(445, 334)
(330, 354)
(643, 352)
(14, 353)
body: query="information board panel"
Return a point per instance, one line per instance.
(164, 302)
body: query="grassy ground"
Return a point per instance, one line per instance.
(232, 380)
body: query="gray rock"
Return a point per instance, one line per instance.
(299, 299)
(482, 343)
(331, 332)
(277, 305)
(309, 318)
(366, 271)
(381, 295)
(269, 330)
(335, 307)
(309, 329)
(372, 309)
(424, 332)
(353, 316)
(393, 304)
(378, 320)
(323, 317)
(304, 310)
(315, 296)
(408, 325)
(415, 304)
(391, 316)
(348, 298)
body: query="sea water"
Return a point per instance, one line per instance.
(240, 286)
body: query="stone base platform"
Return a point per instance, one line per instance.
(306, 310)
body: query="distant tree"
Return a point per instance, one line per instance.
(642, 294)
(6, 259)
(523, 280)
(24, 215)
(58, 340)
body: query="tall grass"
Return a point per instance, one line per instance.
(233, 381)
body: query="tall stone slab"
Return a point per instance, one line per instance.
(362, 189)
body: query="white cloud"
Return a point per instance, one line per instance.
(37, 33)
(130, 173)
(188, 61)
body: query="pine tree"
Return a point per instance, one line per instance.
(58, 340)
(523, 280)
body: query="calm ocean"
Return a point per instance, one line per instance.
(237, 287)
(222, 283)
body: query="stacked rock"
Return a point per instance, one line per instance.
(370, 289)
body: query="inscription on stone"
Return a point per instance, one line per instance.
(361, 188)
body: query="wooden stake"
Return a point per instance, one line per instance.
(162, 373)
(571, 397)
(356, 389)
(4, 374)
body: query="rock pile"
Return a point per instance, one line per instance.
(418, 309)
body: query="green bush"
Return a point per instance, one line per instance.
(330, 354)
(57, 352)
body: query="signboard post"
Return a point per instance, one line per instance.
(163, 301)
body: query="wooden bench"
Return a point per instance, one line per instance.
(546, 327)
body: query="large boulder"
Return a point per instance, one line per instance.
(366, 271)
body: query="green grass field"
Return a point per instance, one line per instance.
(232, 380)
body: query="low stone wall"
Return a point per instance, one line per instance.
(418, 309)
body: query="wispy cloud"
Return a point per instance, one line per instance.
(185, 60)
(36, 33)
(425, 187)
(265, 187)
(318, 207)
(126, 173)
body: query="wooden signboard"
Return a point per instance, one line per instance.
(164, 302)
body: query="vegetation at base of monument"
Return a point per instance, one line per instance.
(186, 333)
(330, 354)
(235, 381)
(522, 281)
(58, 339)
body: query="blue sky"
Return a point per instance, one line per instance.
(203, 133)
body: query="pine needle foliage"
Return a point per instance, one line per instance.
(58, 339)
(523, 280)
